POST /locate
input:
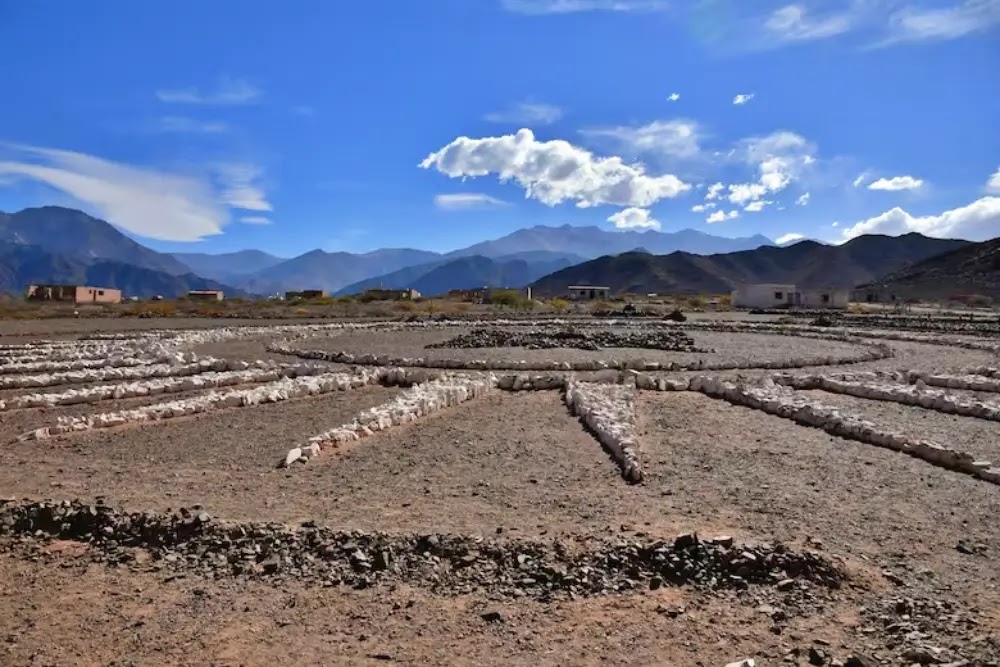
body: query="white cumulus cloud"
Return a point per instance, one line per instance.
(977, 221)
(896, 183)
(673, 97)
(701, 208)
(634, 218)
(229, 92)
(757, 206)
(792, 23)
(780, 157)
(571, 6)
(742, 98)
(789, 238)
(466, 201)
(527, 113)
(803, 199)
(555, 171)
(149, 203)
(719, 216)
(676, 138)
(993, 185)
(714, 191)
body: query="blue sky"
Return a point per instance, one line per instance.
(216, 126)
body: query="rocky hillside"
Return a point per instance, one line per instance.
(806, 264)
(971, 269)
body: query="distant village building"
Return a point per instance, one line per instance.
(870, 294)
(206, 295)
(782, 295)
(305, 294)
(390, 295)
(588, 292)
(78, 294)
(469, 295)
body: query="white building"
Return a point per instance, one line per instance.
(588, 292)
(764, 295)
(780, 295)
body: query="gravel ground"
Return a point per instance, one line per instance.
(968, 434)
(224, 460)
(740, 347)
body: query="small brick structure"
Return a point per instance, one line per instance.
(206, 295)
(78, 294)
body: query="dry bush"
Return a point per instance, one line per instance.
(559, 305)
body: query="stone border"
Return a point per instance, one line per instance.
(260, 372)
(609, 412)
(418, 401)
(785, 403)
(193, 542)
(272, 392)
(874, 353)
(203, 365)
(915, 395)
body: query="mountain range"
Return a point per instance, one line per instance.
(969, 269)
(805, 264)
(60, 245)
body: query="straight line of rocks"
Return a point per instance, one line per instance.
(260, 372)
(418, 401)
(608, 410)
(272, 392)
(906, 394)
(193, 541)
(178, 368)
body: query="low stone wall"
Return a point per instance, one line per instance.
(917, 395)
(70, 365)
(608, 410)
(259, 372)
(273, 392)
(193, 542)
(416, 402)
(783, 402)
(874, 353)
(176, 369)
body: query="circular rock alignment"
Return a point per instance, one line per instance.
(547, 339)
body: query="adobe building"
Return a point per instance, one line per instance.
(77, 294)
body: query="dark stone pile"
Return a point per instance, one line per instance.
(670, 340)
(448, 564)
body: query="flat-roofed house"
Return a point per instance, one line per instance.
(78, 294)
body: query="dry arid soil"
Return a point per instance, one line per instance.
(498, 531)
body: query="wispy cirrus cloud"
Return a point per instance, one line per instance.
(147, 202)
(538, 7)
(241, 185)
(255, 220)
(467, 200)
(794, 23)
(526, 113)
(912, 24)
(229, 92)
(676, 138)
(185, 125)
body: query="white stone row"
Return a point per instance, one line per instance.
(82, 350)
(272, 392)
(259, 373)
(78, 364)
(411, 404)
(874, 353)
(608, 410)
(784, 402)
(180, 367)
(917, 395)
(985, 371)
